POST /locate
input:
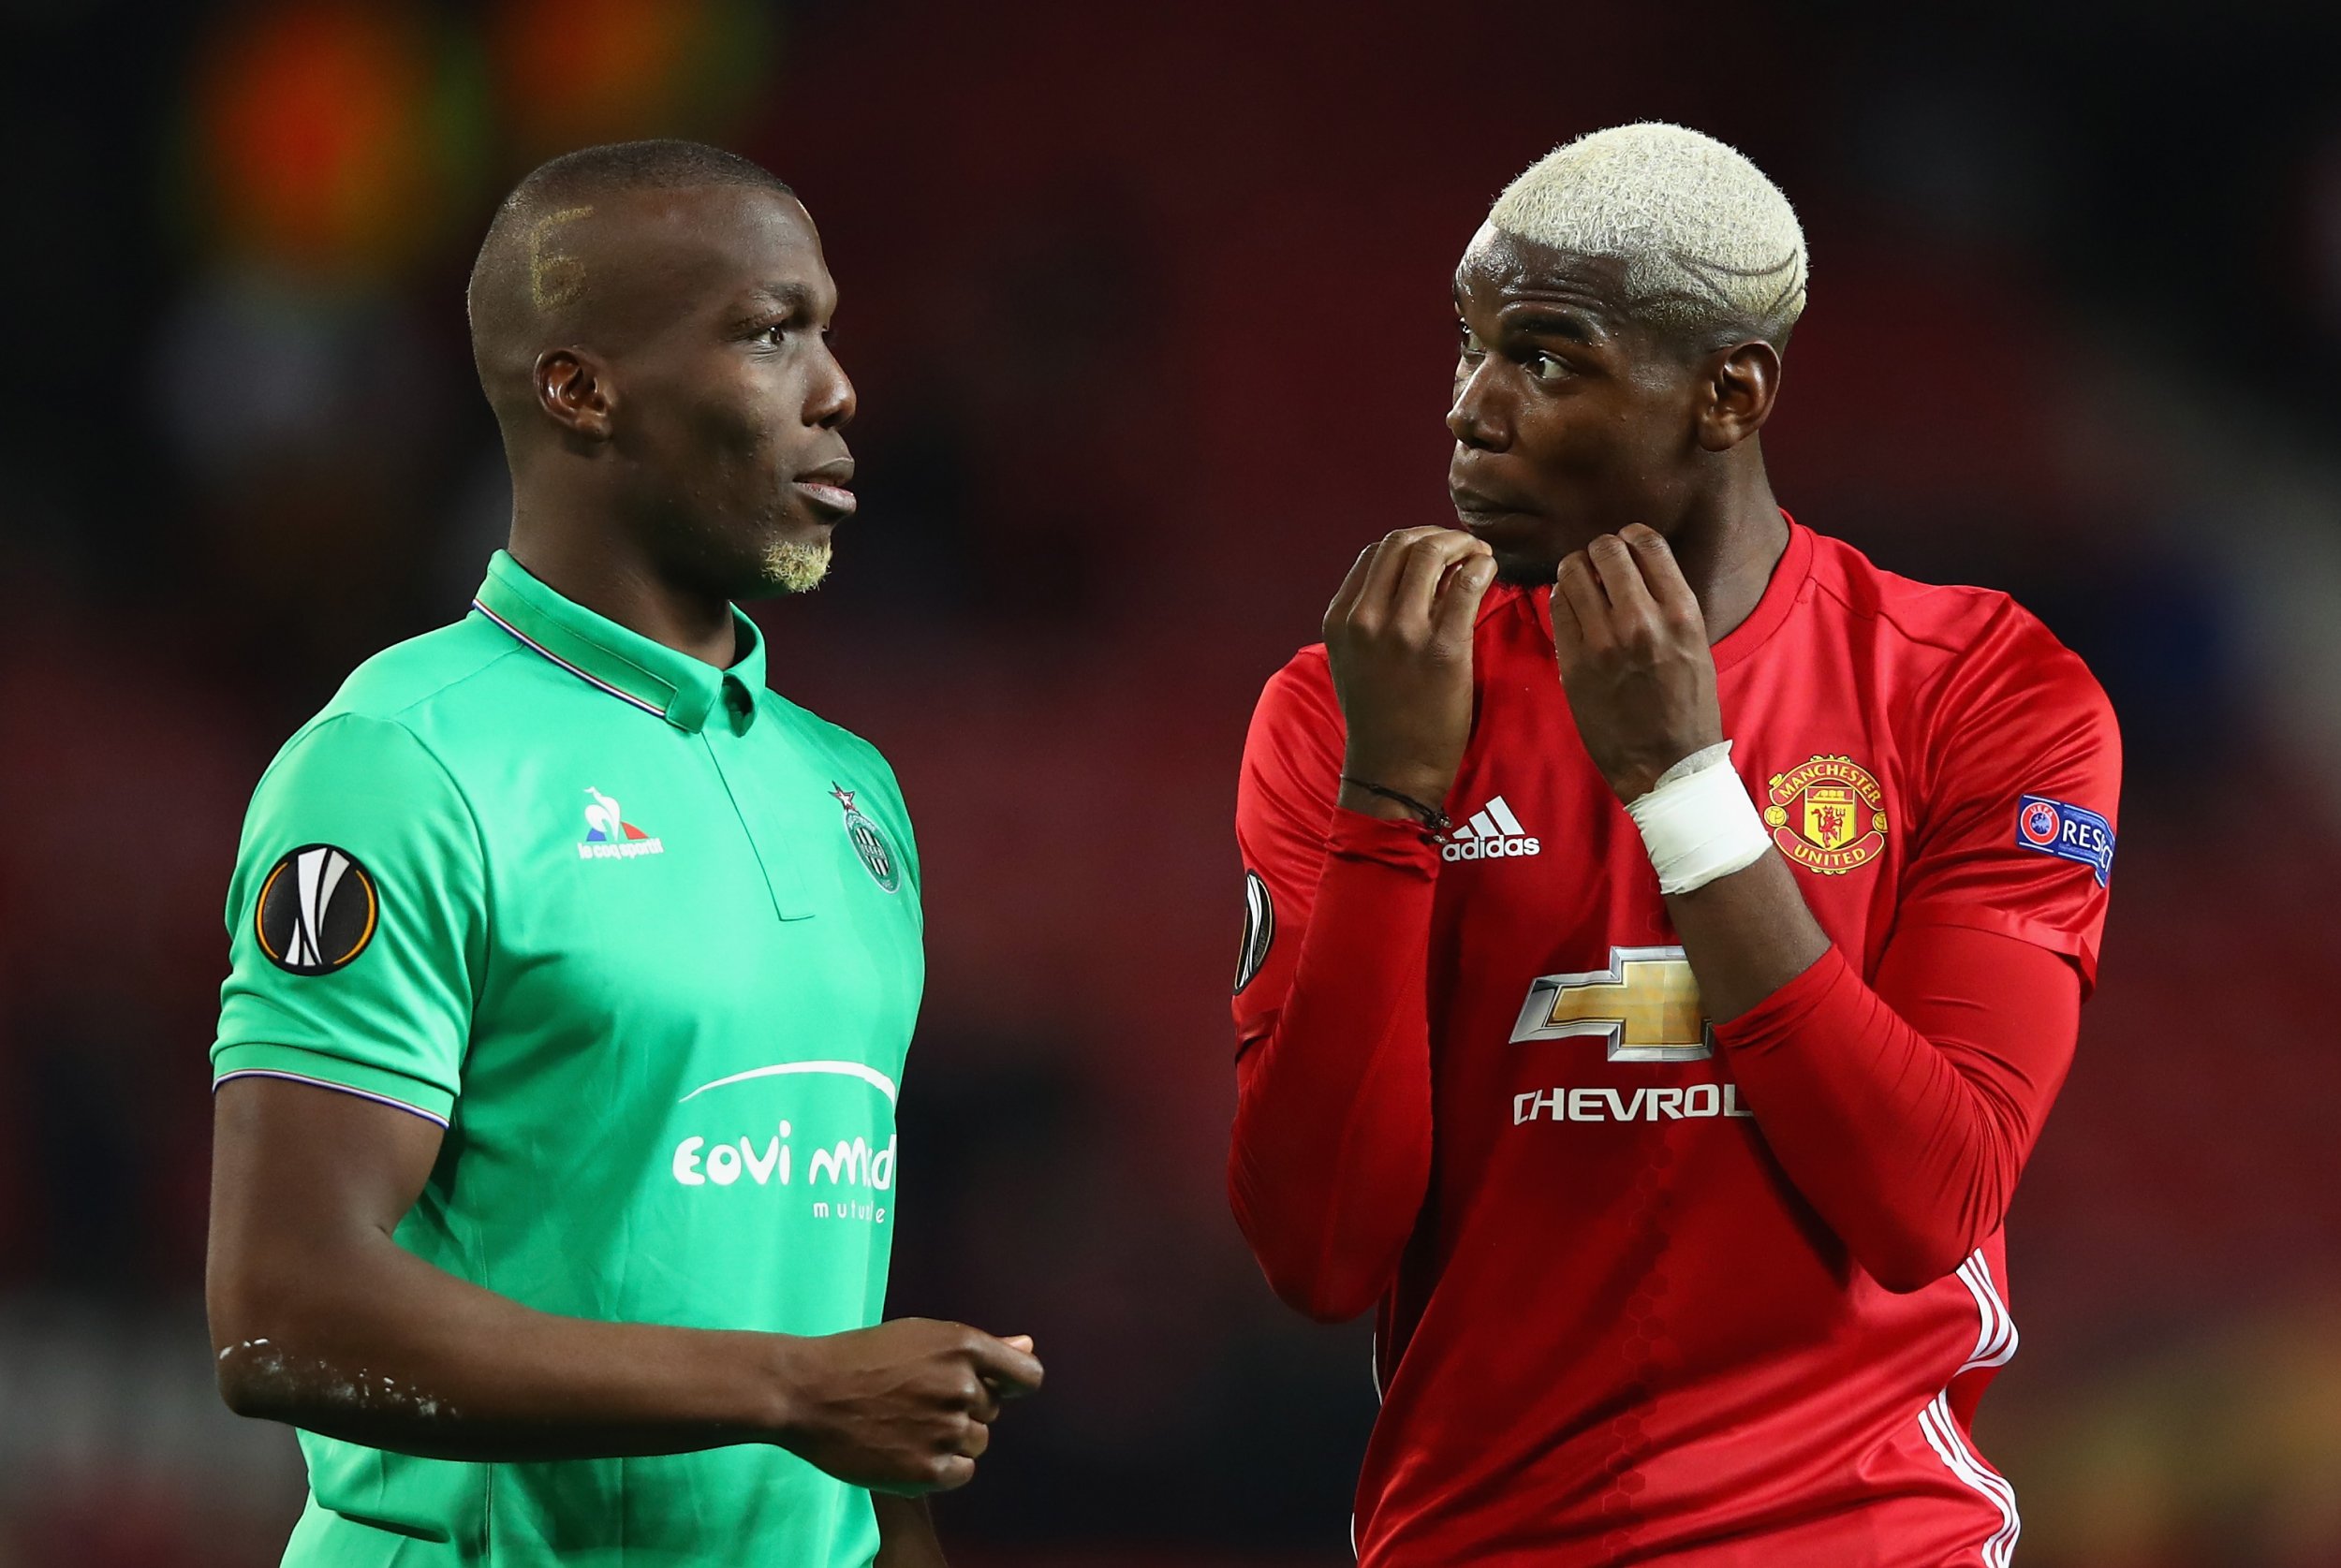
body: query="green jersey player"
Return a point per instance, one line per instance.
(573, 972)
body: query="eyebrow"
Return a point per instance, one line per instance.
(1552, 321)
(769, 298)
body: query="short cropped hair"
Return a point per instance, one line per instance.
(634, 165)
(1710, 245)
(564, 189)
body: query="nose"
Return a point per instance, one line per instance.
(830, 401)
(1477, 417)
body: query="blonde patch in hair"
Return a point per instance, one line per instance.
(558, 280)
(1706, 239)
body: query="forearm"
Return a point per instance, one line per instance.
(1907, 1135)
(906, 1537)
(1331, 1149)
(1746, 935)
(367, 1343)
(1882, 1134)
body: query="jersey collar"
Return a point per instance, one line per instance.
(680, 689)
(1782, 592)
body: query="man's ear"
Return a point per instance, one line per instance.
(1742, 383)
(574, 390)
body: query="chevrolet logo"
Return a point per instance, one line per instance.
(1644, 1008)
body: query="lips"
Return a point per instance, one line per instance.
(1474, 500)
(1484, 515)
(834, 498)
(829, 487)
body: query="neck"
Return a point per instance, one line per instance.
(603, 568)
(1728, 544)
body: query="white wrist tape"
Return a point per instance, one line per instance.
(1698, 822)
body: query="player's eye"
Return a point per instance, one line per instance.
(1544, 367)
(1469, 344)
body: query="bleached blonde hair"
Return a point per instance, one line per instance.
(1706, 240)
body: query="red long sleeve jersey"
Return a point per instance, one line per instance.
(1648, 1290)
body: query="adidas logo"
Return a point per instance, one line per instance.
(1492, 834)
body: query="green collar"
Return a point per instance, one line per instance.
(628, 665)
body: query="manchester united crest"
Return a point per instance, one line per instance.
(1827, 814)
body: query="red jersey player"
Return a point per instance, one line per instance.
(1669, 1099)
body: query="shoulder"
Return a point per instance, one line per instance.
(440, 689)
(383, 716)
(859, 762)
(1292, 748)
(1949, 617)
(1962, 644)
(427, 672)
(1296, 729)
(1989, 701)
(1302, 691)
(418, 674)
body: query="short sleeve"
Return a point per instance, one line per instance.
(357, 921)
(2022, 777)
(1285, 800)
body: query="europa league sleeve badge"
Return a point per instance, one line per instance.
(316, 911)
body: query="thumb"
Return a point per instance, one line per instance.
(1008, 1365)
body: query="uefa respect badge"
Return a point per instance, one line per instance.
(2067, 831)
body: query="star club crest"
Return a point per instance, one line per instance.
(868, 840)
(1827, 814)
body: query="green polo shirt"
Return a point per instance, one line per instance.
(646, 939)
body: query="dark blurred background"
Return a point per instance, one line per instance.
(1147, 309)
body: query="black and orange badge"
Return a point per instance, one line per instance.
(316, 911)
(1260, 928)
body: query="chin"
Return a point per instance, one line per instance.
(795, 565)
(1524, 571)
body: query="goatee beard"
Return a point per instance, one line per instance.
(793, 566)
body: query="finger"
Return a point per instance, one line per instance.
(1669, 588)
(1389, 564)
(1568, 637)
(974, 1439)
(1578, 586)
(1012, 1372)
(1428, 562)
(1631, 607)
(950, 1471)
(1459, 601)
(1020, 1342)
(980, 1400)
(1346, 596)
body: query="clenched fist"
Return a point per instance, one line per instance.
(1398, 635)
(905, 1407)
